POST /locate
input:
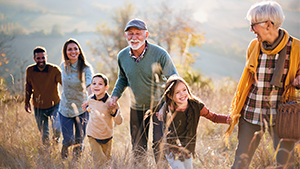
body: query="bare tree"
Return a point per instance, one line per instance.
(173, 29)
(6, 38)
(177, 31)
(111, 40)
(9, 64)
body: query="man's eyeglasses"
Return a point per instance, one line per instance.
(253, 24)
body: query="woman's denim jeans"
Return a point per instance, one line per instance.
(69, 124)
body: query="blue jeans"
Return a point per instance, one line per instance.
(69, 124)
(42, 117)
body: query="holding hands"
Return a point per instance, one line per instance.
(160, 115)
(228, 120)
(112, 103)
(84, 106)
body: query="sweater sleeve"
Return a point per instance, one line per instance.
(58, 76)
(168, 67)
(216, 118)
(88, 75)
(118, 118)
(121, 83)
(28, 88)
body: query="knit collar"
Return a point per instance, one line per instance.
(35, 68)
(103, 99)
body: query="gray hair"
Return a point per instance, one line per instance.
(266, 11)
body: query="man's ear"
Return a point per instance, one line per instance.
(106, 87)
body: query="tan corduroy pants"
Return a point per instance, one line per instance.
(100, 152)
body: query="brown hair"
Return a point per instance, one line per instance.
(39, 49)
(171, 83)
(82, 63)
(105, 79)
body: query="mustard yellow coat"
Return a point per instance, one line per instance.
(247, 78)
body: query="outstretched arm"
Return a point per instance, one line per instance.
(216, 118)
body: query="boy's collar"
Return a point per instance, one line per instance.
(103, 99)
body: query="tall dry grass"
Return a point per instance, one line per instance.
(20, 142)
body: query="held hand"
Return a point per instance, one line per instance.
(228, 120)
(159, 115)
(296, 81)
(112, 103)
(84, 106)
(28, 108)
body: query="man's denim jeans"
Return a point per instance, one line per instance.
(42, 117)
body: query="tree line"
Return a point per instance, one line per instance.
(173, 29)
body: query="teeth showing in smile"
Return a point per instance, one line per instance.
(182, 99)
(134, 41)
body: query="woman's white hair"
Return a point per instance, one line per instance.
(266, 11)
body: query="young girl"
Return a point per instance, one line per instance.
(181, 114)
(100, 126)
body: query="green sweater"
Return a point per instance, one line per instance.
(140, 77)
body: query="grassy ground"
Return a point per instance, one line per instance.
(20, 144)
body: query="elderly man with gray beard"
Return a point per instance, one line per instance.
(144, 68)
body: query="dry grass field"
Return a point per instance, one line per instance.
(20, 144)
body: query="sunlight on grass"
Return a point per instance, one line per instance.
(21, 145)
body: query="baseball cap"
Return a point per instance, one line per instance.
(137, 23)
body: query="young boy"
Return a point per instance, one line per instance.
(100, 126)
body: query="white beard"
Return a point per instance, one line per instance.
(136, 47)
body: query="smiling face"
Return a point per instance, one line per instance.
(98, 87)
(136, 38)
(73, 52)
(40, 59)
(181, 94)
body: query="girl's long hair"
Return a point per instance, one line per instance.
(171, 83)
(82, 63)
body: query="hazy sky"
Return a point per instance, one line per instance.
(222, 21)
(84, 14)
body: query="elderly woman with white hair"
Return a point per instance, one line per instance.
(273, 62)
